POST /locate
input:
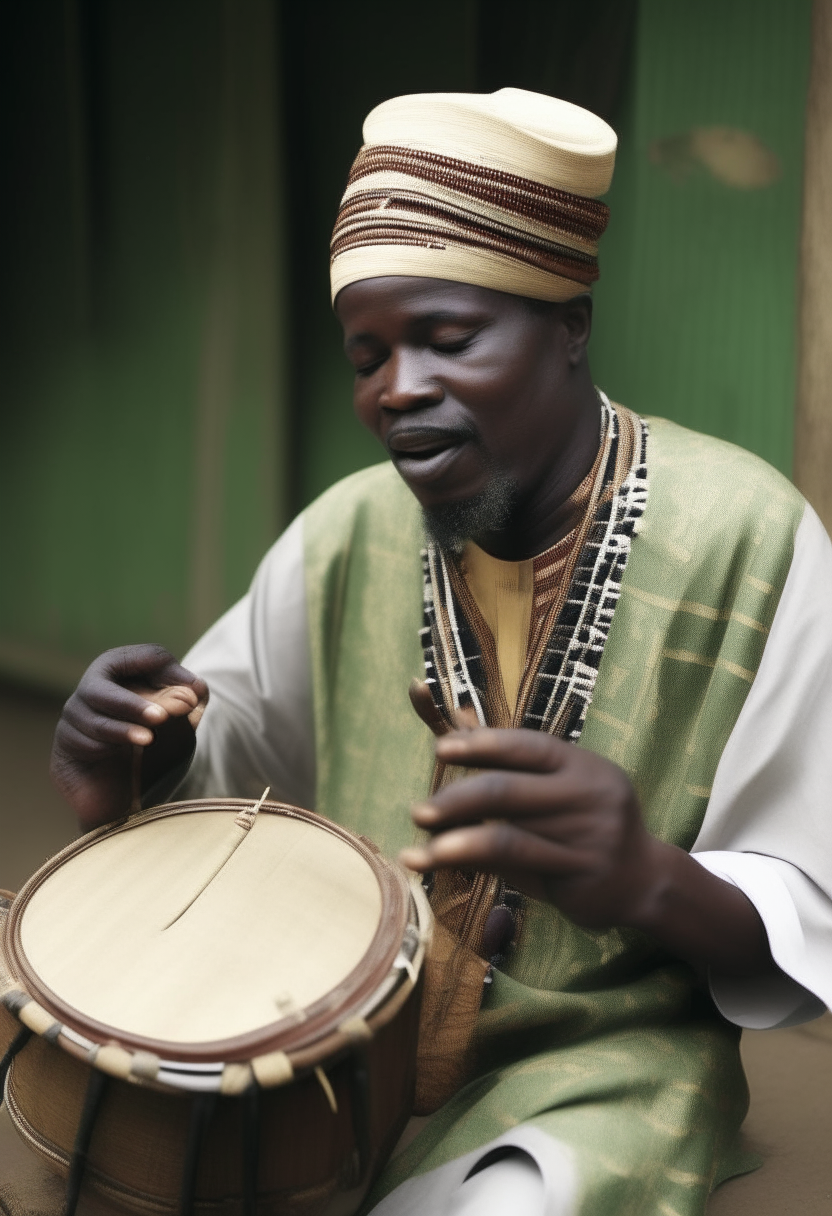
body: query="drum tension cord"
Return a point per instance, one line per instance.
(92, 1103)
(360, 1103)
(201, 1113)
(96, 1089)
(17, 1044)
(251, 1147)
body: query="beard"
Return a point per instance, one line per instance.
(450, 525)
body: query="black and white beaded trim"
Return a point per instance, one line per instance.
(566, 677)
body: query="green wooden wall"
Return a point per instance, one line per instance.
(695, 309)
(141, 468)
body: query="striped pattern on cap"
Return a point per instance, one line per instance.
(495, 190)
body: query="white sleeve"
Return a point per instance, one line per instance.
(258, 728)
(768, 826)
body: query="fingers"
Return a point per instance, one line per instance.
(114, 718)
(563, 820)
(494, 848)
(148, 665)
(84, 746)
(176, 700)
(524, 750)
(136, 695)
(524, 775)
(109, 712)
(157, 665)
(422, 702)
(106, 709)
(503, 795)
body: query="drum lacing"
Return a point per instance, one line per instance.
(360, 1104)
(78, 1165)
(251, 1147)
(201, 1111)
(17, 1044)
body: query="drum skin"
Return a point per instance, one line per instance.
(308, 1159)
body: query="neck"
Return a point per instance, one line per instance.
(545, 514)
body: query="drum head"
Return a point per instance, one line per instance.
(182, 930)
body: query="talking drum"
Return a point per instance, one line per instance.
(213, 1006)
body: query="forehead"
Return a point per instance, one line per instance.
(408, 298)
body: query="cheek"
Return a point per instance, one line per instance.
(514, 372)
(516, 424)
(363, 404)
(507, 402)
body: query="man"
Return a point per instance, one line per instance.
(589, 578)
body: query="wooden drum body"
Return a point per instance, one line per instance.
(224, 1006)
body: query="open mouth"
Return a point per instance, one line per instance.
(423, 455)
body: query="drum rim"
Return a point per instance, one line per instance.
(288, 1034)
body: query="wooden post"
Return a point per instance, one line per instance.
(813, 412)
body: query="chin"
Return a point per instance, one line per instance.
(450, 524)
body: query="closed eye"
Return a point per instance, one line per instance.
(367, 369)
(456, 344)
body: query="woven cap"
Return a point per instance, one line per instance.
(498, 189)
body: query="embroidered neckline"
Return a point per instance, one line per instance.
(556, 694)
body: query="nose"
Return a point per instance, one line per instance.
(407, 385)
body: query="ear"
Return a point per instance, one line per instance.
(576, 318)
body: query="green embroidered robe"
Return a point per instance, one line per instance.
(597, 1038)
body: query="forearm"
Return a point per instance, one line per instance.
(700, 917)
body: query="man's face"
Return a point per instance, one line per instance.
(466, 388)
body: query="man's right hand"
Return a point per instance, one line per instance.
(106, 717)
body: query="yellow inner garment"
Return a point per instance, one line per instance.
(504, 594)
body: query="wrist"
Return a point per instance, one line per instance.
(657, 878)
(698, 916)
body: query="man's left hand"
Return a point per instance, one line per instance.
(564, 824)
(559, 822)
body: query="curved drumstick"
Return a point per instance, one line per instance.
(242, 825)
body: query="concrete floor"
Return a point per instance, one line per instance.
(790, 1071)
